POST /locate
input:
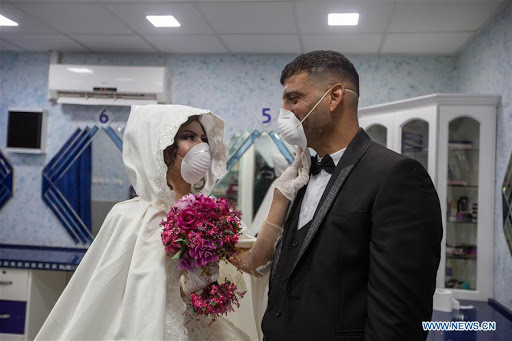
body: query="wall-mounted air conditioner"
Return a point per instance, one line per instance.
(107, 85)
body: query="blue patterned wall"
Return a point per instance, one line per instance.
(237, 88)
(485, 66)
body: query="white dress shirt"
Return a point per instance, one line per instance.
(314, 191)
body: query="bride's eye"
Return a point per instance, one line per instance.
(204, 139)
(188, 137)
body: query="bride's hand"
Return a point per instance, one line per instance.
(199, 278)
(295, 176)
(258, 259)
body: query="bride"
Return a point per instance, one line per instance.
(126, 287)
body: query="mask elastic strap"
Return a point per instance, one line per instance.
(316, 105)
(355, 93)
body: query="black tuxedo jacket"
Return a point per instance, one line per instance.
(366, 270)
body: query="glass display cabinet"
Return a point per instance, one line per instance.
(453, 137)
(404, 128)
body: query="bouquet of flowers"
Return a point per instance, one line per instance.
(200, 231)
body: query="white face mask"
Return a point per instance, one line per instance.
(196, 163)
(290, 128)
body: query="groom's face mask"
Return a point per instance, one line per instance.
(290, 127)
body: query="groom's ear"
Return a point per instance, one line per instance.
(336, 96)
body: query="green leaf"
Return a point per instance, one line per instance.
(178, 254)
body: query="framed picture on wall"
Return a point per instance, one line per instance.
(26, 130)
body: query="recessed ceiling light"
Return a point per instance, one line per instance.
(163, 21)
(7, 22)
(343, 19)
(80, 70)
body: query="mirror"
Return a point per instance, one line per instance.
(236, 147)
(109, 183)
(235, 142)
(269, 163)
(84, 180)
(5, 180)
(507, 205)
(252, 168)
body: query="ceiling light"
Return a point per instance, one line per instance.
(163, 21)
(343, 19)
(6, 21)
(80, 70)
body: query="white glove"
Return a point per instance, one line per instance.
(295, 176)
(199, 278)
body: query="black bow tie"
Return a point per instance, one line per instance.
(327, 164)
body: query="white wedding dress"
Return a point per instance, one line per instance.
(126, 287)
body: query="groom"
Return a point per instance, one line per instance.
(361, 246)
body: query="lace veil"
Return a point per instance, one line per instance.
(151, 129)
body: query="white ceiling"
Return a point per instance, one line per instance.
(244, 26)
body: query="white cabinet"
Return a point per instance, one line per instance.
(453, 137)
(26, 299)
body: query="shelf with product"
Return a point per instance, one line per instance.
(453, 137)
(461, 257)
(414, 153)
(460, 150)
(462, 223)
(461, 184)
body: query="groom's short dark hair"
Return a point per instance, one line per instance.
(324, 65)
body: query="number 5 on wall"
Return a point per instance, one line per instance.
(266, 115)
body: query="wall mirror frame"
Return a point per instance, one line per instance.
(6, 183)
(74, 157)
(506, 195)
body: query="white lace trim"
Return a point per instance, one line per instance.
(174, 318)
(263, 269)
(167, 134)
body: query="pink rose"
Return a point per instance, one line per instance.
(206, 203)
(223, 205)
(186, 263)
(204, 254)
(185, 202)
